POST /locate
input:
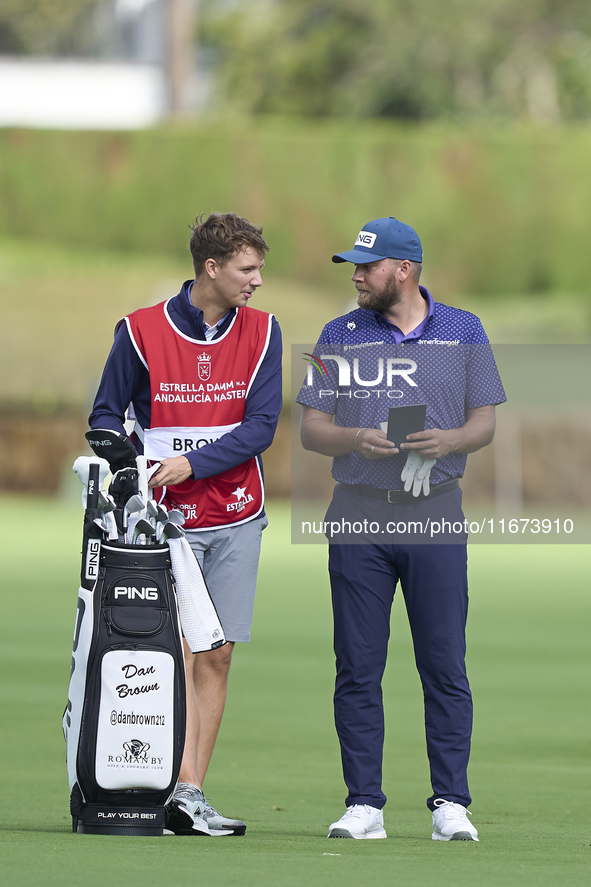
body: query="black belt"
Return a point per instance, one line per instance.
(399, 497)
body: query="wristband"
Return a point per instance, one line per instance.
(356, 436)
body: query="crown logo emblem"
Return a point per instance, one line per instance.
(204, 366)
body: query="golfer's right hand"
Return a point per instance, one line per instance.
(171, 472)
(373, 444)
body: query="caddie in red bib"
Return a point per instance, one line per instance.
(198, 392)
(202, 375)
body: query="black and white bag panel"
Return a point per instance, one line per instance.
(134, 745)
(127, 692)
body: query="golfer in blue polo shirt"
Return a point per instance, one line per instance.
(396, 511)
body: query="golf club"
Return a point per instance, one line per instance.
(142, 467)
(172, 531)
(160, 519)
(144, 528)
(176, 516)
(123, 485)
(152, 511)
(106, 501)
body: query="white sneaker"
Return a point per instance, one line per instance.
(184, 814)
(221, 825)
(450, 822)
(360, 821)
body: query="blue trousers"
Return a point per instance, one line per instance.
(434, 583)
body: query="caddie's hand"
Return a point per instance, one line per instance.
(171, 472)
(373, 444)
(434, 443)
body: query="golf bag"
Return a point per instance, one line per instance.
(125, 719)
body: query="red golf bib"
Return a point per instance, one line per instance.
(198, 393)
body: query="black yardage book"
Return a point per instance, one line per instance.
(405, 420)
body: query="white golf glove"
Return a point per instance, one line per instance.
(416, 473)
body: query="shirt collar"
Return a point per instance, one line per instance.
(199, 312)
(418, 330)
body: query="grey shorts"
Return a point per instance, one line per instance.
(229, 559)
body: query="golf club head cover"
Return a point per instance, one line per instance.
(123, 485)
(116, 448)
(81, 468)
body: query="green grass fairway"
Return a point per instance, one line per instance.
(277, 763)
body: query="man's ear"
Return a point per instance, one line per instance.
(404, 269)
(211, 268)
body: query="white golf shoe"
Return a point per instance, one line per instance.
(451, 823)
(359, 822)
(221, 825)
(184, 814)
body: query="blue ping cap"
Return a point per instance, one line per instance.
(383, 239)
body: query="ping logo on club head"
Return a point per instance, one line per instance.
(366, 238)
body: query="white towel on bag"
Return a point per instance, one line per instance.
(199, 619)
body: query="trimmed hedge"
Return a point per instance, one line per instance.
(499, 210)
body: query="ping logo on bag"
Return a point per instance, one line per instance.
(134, 588)
(145, 593)
(93, 551)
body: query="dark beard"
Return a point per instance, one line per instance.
(383, 301)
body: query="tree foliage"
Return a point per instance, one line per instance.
(45, 27)
(413, 59)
